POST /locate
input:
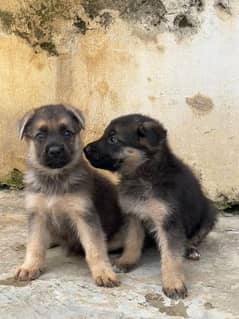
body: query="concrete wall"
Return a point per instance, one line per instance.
(174, 60)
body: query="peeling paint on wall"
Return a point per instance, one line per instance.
(37, 21)
(7, 19)
(42, 22)
(224, 6)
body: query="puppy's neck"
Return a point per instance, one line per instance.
(148, 164)
(132, 159)
(57, 181)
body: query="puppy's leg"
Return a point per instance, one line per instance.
(38, 242)
(192, 251)
(92, 239)
(117, 241)
(133, 244)
(171, 244)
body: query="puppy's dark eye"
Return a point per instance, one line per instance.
(67, 133)
(113, 139)
(40, 136)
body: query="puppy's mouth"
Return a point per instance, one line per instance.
(56, 163)
(117, 164)
(104, 162)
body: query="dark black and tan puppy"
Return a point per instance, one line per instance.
(159, 189)
(67, 201)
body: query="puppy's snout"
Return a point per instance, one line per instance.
(90, 148)
(91, 152)
(54, 151)
(87, 149)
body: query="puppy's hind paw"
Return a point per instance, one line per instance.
(120, 266)
(192, 253)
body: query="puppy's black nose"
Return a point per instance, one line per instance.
(88, 149)
(54, 151)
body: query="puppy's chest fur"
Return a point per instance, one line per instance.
(137, 197)
(60, 203)
(59, 210)
(53, 204)
(55, 184)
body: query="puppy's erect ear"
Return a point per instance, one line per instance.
(77, 115)
(151, 134)
(23, 123)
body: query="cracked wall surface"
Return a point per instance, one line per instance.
(175, 60)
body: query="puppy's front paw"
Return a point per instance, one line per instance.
(121, 266)
(106, 278)
(26, 273)
(176, 289)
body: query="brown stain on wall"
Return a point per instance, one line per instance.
(153, 98)
(103, 88)
(200, 104)
(223, 7)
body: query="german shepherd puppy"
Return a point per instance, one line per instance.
(67, 200)
(157, 188)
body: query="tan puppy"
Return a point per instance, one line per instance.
(67, 201)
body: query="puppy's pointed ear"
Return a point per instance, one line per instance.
(23, 123)
(151, 133)
(77, 114)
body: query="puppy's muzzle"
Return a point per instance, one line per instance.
(90, 150)
(55, 156)
(54, 151)
(100, 159)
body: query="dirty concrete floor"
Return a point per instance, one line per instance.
(66, 289)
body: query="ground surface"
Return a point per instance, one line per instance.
(66, 289)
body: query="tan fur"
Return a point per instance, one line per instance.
(145, 209)
(96, 255)
(42, 124)
(117, 241)
(37, 244)
(39, 237)
(61, 203)
(133, 244)
(76, 207)
(156, 211)
(50, 124)
(171, 259)
(132, 159)
(171, 266)
(53, 124)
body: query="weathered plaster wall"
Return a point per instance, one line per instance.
(175, 60)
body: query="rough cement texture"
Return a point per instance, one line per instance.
(40, 22)
(66, 289)
(174, 60)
